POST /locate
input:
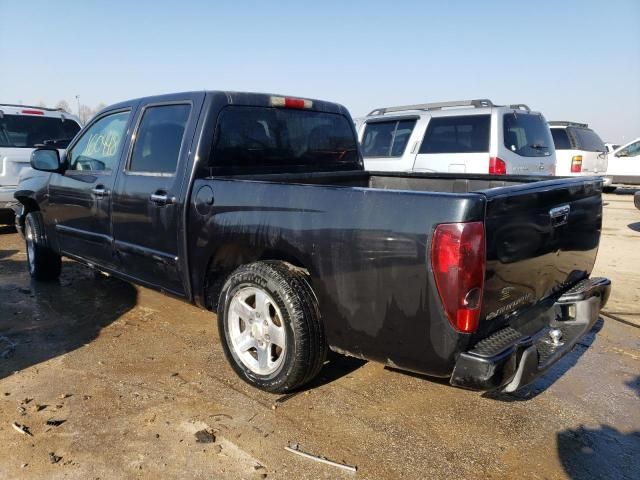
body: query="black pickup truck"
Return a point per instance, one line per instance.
(257, 207)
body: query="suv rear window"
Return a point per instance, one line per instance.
(560, 139)
(586, 139)
(386, 139)
(464, 134)
(266, 139)
(527, 134)
(27, 131)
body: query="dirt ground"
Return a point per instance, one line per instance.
(126, 377)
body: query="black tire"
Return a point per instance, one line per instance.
(306, 346)
(43, 262)
(608, 189)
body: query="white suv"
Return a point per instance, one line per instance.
(23, 127)
(579, 150)
(470, 136)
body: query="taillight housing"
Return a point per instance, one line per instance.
(458, 263)
(497, 166)
(290, 102)
(576, 164)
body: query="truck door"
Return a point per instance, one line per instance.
(80, 198)
(148, 199)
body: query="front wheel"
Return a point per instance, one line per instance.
(43, 262)
(270, 326)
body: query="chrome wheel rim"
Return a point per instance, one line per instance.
(256, 330)
(30, 247)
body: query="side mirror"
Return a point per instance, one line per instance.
(46, 159)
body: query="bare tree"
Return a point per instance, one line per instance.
(64, 106)
(85, 113)
(41, 104)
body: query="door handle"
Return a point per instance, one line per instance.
(100, 192)
(162, 199)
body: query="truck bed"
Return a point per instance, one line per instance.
(365, 238)
(419, 182)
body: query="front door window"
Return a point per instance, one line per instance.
(99, 147)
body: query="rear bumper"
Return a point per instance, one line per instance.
(8, 205)
(508, 359)
(7, 202)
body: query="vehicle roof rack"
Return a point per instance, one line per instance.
(479, 103)
(569, 124)
(520, 106)
(31, 106)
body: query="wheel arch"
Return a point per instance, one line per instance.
(29, 205)
(227, 257)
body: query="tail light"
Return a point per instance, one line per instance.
(32, 112)
(497, 166)
(458, 262)
(576, 164)
(290, 102)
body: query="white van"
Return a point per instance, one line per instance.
(579, 150)
(22, 127)
(469, 136)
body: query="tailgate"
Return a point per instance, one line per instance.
(594, 163)
(541, 238)
(12, 162)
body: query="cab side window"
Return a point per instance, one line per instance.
(632, 150)
(159, 139)
(99, 147)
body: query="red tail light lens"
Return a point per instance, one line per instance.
(576, 164)
(32, 112)
(497, 166)
(458, 262)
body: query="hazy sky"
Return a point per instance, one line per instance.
(572, 60)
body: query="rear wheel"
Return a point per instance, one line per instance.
(270, 326)
(43, 262)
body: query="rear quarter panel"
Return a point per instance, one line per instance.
(366, 252)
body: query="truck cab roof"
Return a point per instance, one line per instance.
(244, 98)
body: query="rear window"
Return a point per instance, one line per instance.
(560, 139)
(27, 131)
(386, 139)
(527, 134)
(588, 140)
(464, 134)
(265, 139)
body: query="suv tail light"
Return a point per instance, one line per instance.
(458, 263)
(576, 164)
(497, 166)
